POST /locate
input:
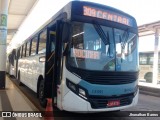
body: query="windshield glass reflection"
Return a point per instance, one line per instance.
(118, 52)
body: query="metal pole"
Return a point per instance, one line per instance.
(155, 61)
(3, 37)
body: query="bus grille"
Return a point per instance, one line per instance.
(107, 78)
(110, 79)
(98, 102)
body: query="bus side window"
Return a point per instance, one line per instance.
(42, 42)
(15, 54)
(21, 51)
(18, 53)
(28, 49)
(52, 37)
(34, 46)
(143, 59)
(24, 50)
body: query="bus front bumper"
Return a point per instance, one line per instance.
(74, 103)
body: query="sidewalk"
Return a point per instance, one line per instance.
(12, 99)
(149, 89)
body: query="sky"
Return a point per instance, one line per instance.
(144, 11)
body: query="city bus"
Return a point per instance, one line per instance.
(146, 66)
(85, 58)
(11, 63)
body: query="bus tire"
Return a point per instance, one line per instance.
(19, 82)
(42, 99)
(148, 77)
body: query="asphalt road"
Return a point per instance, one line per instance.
(146, 104)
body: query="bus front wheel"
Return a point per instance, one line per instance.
(148, 77)
(42, 99)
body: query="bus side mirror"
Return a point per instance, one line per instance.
(66, 32)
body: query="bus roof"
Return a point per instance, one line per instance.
(100, 6)
(75, 8)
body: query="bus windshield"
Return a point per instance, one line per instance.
(102, 48)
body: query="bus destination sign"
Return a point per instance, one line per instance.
(107, 15)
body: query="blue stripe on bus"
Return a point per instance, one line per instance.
(108, 90)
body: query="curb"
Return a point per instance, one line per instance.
(149, 91)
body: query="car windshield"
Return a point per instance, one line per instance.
(97, 47)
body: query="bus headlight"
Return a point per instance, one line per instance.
(76, 89)
(82, 93)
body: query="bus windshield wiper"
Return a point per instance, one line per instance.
(124, 39)
(103, 36)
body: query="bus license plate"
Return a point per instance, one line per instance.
(113, 103)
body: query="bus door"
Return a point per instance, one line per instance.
(12, 63)
(50, 54)
(57, 87)
(54, 62)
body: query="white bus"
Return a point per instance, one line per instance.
(11, 63)
(85, 58)
(146, 66)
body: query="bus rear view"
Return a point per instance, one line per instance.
(100, 65)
